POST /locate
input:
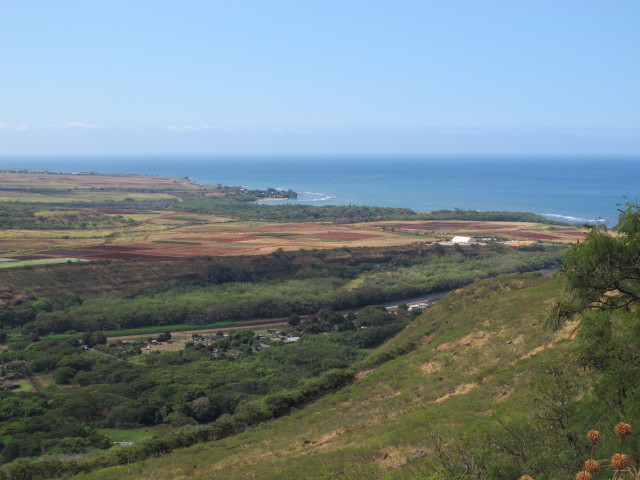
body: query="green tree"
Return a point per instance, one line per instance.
(164, 336)
(294, 319)
(604, 270)
(373, 315)
(97, 338)
(63, 375)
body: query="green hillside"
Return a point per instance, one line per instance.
(427, 404)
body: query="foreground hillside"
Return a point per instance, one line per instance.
(447, 381)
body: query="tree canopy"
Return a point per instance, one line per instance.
(604, 270)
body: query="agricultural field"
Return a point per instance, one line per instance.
(35, 186)
(56, 216)
(167, 234)
(164, 234)
(445, 229)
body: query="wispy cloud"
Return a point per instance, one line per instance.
(75, 125)
(194, 128)
(209, 128)
(183, 128)
(12, 127)
(133, 128)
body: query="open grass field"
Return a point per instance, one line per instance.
(55, 182)
(25, 386)
(41, 261)
(78, 196)
(46, 187)
(512, 230)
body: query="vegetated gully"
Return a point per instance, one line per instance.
(275, 323)
(282, 321)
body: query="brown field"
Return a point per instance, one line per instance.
(221, 236)
(214, 239)
(43, 187)
(197, 235)
(38, 181)
(510, 230)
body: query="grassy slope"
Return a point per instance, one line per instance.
(476, 352)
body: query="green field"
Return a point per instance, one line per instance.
(127, 434)
(25, 386)
(45, 261)
(142, 330)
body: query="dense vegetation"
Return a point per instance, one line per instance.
(237, 376)
(27, 217)
(518, 401)
(276, 286)
(218, 385)
(456, 397)
(238, 207)
(389, 423)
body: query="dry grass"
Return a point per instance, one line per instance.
(371, 429)
(511, 230)
(214, 235)
(40, 382)
(63, 182)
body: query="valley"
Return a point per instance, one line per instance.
(146, 333)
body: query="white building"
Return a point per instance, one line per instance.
(463, 240)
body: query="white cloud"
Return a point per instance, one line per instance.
(192, 128)
(15, 128)
(134, 128)
(183, 128)
(75, 125)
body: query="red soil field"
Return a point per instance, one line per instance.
(514, 230)
(71, 252)
(122, 256)
(345, 236)
(32, 257)
(116, 248)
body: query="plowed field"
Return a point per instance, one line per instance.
(509, 230)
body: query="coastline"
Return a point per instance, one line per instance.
(271, 199)
(508, 183)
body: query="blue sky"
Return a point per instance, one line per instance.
(321, 76)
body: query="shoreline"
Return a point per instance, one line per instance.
(199, 174)
(272, 199)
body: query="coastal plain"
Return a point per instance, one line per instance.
(167, 234)
(120, 232)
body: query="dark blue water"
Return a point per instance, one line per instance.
(566, 188)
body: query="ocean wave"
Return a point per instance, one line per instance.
(569, 218)
(317, 196)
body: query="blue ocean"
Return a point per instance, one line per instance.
(575, 189)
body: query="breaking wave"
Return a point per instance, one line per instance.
(569, 218)
(314, 196)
